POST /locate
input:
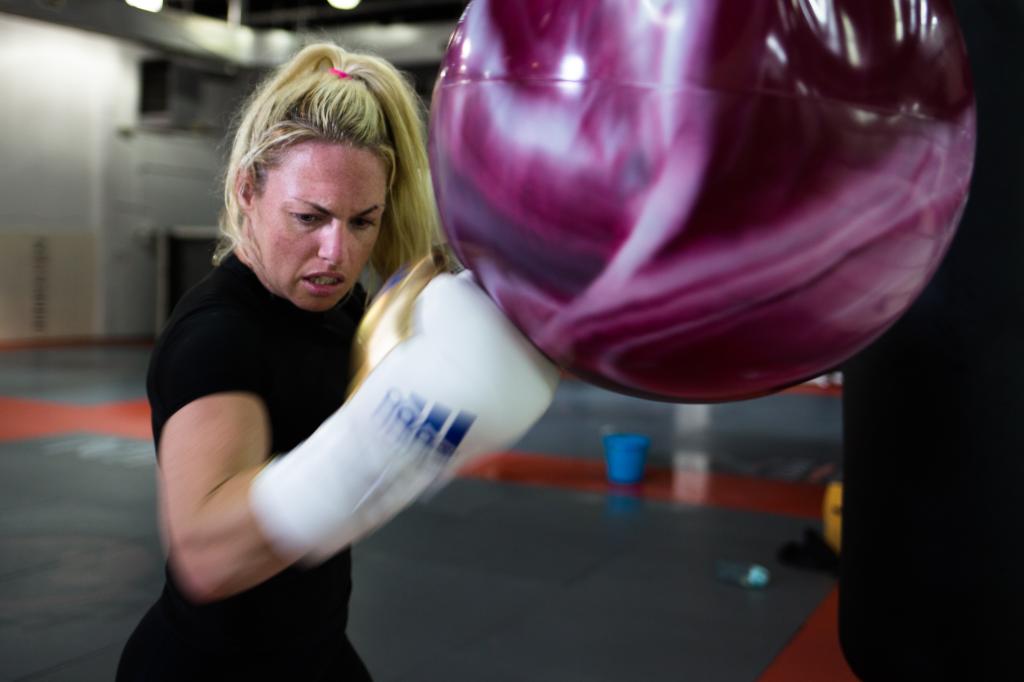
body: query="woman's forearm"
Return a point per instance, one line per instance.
(210, 451)
(218, 550)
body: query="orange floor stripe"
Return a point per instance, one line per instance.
(76, 342)
(21, 419)
(811, 389)
(687, 487)
(814, 653)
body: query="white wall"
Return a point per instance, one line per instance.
(165, 179)
(74, 165)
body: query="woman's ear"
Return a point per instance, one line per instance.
(245, 190)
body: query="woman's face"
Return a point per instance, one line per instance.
(311, 229)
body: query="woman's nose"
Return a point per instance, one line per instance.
(332, 246)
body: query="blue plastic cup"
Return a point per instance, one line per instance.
(625, 455)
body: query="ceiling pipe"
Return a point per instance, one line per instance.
(366, 11)
(177, 32)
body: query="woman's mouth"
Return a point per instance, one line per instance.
(322, 284)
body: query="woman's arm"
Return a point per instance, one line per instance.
(210, 450)
(464, 383)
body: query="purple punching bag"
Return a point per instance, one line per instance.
(694, 200)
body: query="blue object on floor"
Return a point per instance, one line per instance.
(752, 576)
(625, 456)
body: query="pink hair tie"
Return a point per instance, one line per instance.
(339, 73)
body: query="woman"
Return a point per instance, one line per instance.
(328, 174)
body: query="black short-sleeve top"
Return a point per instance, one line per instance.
(229, 333)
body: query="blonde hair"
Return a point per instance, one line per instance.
(374, 107)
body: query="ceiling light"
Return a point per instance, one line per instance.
(343, 4)
(148, 5)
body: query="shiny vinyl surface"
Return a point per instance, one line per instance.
(703, 201)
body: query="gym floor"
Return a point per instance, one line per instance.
(528, 567)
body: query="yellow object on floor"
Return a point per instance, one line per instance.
(832, 514)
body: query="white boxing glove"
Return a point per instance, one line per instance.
(465, 382)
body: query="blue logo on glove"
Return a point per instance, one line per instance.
(429, 424)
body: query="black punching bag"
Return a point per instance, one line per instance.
(932, 566)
